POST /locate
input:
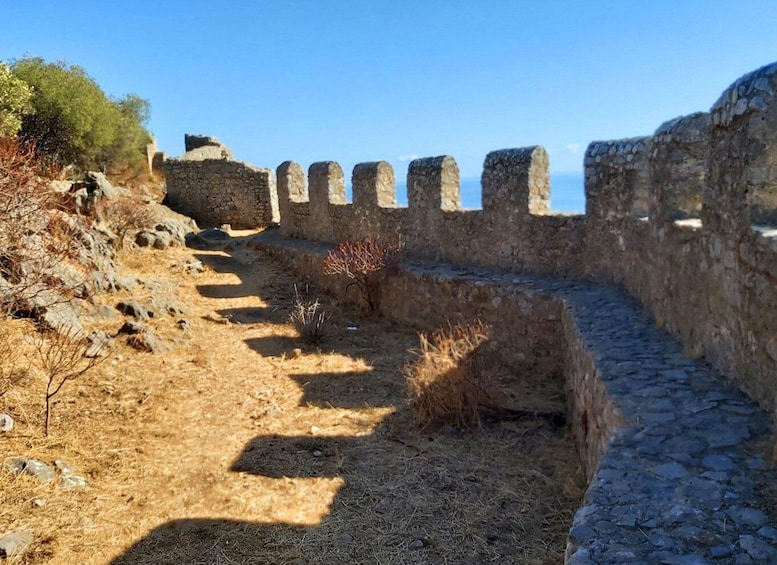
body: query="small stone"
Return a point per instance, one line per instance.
(64, 467)
(134, 309)
(768, 532)
(318, 453)
(15, 543)
(415, 545)
(314, 430)
(73, 482)
(39, 502)
(295, 353)
(749, 517)
(718, 462)
(345, 538)
(6, 423)
(100, 343)
(131, 328)
(145, 341)
(671, 471)
(757, 548)
(38, 469)
(721, 551)
(145, 239)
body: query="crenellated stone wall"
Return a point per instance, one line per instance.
(686, 221)
(669, 216)
(207, 184)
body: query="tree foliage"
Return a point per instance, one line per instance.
(15, 102)
(75, 122)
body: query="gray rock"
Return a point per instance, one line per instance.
(749, 517)
(145, 239)
(144, 341)
(768, 532)
(131, 328)
(757, 548)
(64, 467)
(416, 544)
(33, 467)
(208, 240)
(162, 240)
(73, 482)
(15, 543)
(134, 309)
(671, 471)
(6, 423)
(345, 538)
(100, 344)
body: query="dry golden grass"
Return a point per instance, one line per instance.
(229, 449)
(444, 385)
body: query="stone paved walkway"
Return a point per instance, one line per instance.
(678, 483)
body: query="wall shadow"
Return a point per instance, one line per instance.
(354, 390)
(394, 478)
(272, 346)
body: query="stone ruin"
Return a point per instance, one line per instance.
(667, 282)
(213, 188)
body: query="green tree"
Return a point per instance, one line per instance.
(74, 121)
(130, 141)
(15, 102)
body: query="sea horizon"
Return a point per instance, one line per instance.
(566, 193)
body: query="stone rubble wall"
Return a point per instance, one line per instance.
(665, 442)
(207, 184)
(669, 216)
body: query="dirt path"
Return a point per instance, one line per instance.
(229, 448)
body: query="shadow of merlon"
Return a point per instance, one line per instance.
(298, 456)
(181, 542)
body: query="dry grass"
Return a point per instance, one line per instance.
(309, 319)
(444, 385)
(225, 449)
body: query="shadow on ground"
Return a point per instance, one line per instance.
(495, 495)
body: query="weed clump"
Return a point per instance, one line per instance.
(365, 262)
(444, 385)
(309, 319)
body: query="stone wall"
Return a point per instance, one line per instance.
(207, 184)
(664, 441)
(669, 216)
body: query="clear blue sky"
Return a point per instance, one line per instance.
(360, 81)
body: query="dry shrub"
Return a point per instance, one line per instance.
(365, 262)
(309, 318)
(445, 387)
(124, 214)
(62, 358)
(11, 373)
(28, 253)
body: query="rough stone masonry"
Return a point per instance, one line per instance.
(685, 222)
(214, 189)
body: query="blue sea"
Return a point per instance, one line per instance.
(566, 193)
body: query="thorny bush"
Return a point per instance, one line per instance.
(365, 262)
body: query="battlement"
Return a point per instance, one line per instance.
(677, 217)
(670, 216)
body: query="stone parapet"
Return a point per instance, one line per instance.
(669, 447)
